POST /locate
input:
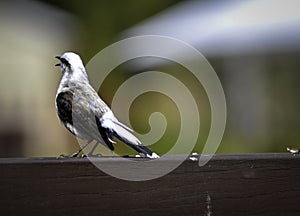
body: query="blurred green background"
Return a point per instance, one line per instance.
(254, 47)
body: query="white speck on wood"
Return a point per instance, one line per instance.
(208, 205)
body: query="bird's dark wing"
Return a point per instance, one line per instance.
(75, 113)
(104, 132)
(64, 109)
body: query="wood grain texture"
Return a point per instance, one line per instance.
(254, 184)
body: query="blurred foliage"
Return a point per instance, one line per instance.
(102, 21)
(266, 122)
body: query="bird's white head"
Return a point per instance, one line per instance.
(71, 64)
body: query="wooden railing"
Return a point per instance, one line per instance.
(250, 184)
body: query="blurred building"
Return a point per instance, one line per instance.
(250, 44)
(31, 35)
(254, 46)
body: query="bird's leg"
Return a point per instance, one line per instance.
(92, 150)
(81, 149)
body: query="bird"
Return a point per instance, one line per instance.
(86, 115)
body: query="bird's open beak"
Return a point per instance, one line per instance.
(58, 57)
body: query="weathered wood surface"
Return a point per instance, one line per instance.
(254, 184)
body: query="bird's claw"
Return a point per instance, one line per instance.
(74, 155)
(91, 155)
(68, 156)
(63, 156)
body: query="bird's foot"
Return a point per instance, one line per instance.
(63, 156)
(133, 156)
(91, 155)
(75, 155)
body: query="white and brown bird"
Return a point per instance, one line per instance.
(85, 114)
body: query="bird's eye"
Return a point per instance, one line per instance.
(64, 61)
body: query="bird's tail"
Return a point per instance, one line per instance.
(123, 133)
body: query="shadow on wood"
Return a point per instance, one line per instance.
(254, 184)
